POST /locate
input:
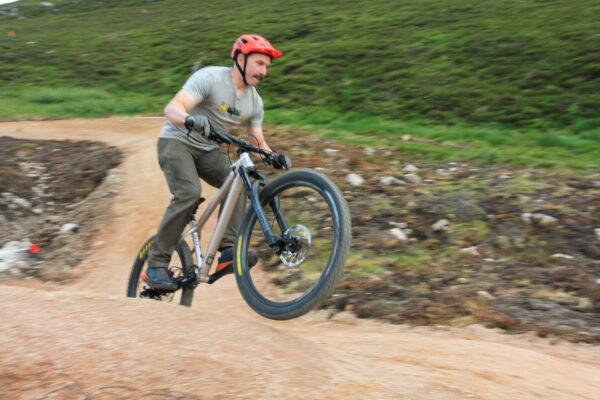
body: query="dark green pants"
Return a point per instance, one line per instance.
(182, 165)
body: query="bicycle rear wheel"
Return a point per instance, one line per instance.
(310, 212)
(181, 265)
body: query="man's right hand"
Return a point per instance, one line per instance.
(199, 123)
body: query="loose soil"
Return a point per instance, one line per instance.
(75, 335)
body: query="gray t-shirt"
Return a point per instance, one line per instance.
(213, 89)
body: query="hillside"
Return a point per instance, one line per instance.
(530, 64)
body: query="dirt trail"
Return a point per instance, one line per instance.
(86, 340)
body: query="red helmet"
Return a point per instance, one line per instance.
(247, 44)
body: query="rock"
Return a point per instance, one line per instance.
(503, 242)
(400, 225)
(597, 230)
(485, 295)
(70, 228)
(390, 180)
(37, 210)
(560, 255)
(25, 267)
(413, 178)
(441, 171)
(547, 220)
(38, 191)
(519, 242)
(504, 177)
(46, 4)
(441, 225)
(584, 305)
(53, 219)
(113, 181)
(523, 282)
(596, 184)
(22, 203)
(410, 168)
(406, 138)
(11, 253)
(539, 218)
(331, 152)
(354, 179)
(470, 250)
(370, 150)
(399, 234)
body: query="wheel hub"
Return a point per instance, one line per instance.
(297, 245)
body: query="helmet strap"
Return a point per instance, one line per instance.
(242, 71)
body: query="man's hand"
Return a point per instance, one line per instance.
(282, 162)
(199, 123)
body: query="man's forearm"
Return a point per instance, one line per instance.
(175, 113)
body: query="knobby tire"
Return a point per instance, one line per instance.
(332, 269)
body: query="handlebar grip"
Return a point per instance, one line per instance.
(188, 122)
(219, 136)
(282, 161)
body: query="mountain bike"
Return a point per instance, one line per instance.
(298, 224)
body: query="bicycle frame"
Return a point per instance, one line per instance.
(237, 180)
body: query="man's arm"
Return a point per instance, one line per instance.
(257, 138)
(178, 107)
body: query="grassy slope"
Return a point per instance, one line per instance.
(353, 67)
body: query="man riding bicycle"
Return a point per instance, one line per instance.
(218, 97)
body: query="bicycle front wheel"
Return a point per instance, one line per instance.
(309, 212)
(181, 265)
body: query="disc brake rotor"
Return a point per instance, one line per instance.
(297, 245)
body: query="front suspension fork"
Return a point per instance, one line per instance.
(276, 242)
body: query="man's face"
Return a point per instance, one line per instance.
(257, 67)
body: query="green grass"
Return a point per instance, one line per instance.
(513, 82)
(533, 64)
(473, 232)
(44, 102)
(366, 265)
(482, 145)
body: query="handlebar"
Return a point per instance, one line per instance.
(278, 161)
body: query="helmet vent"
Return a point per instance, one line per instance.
(244, 40)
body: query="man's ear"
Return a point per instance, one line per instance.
(240, 58)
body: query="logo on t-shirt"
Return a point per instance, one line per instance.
(234, 112)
